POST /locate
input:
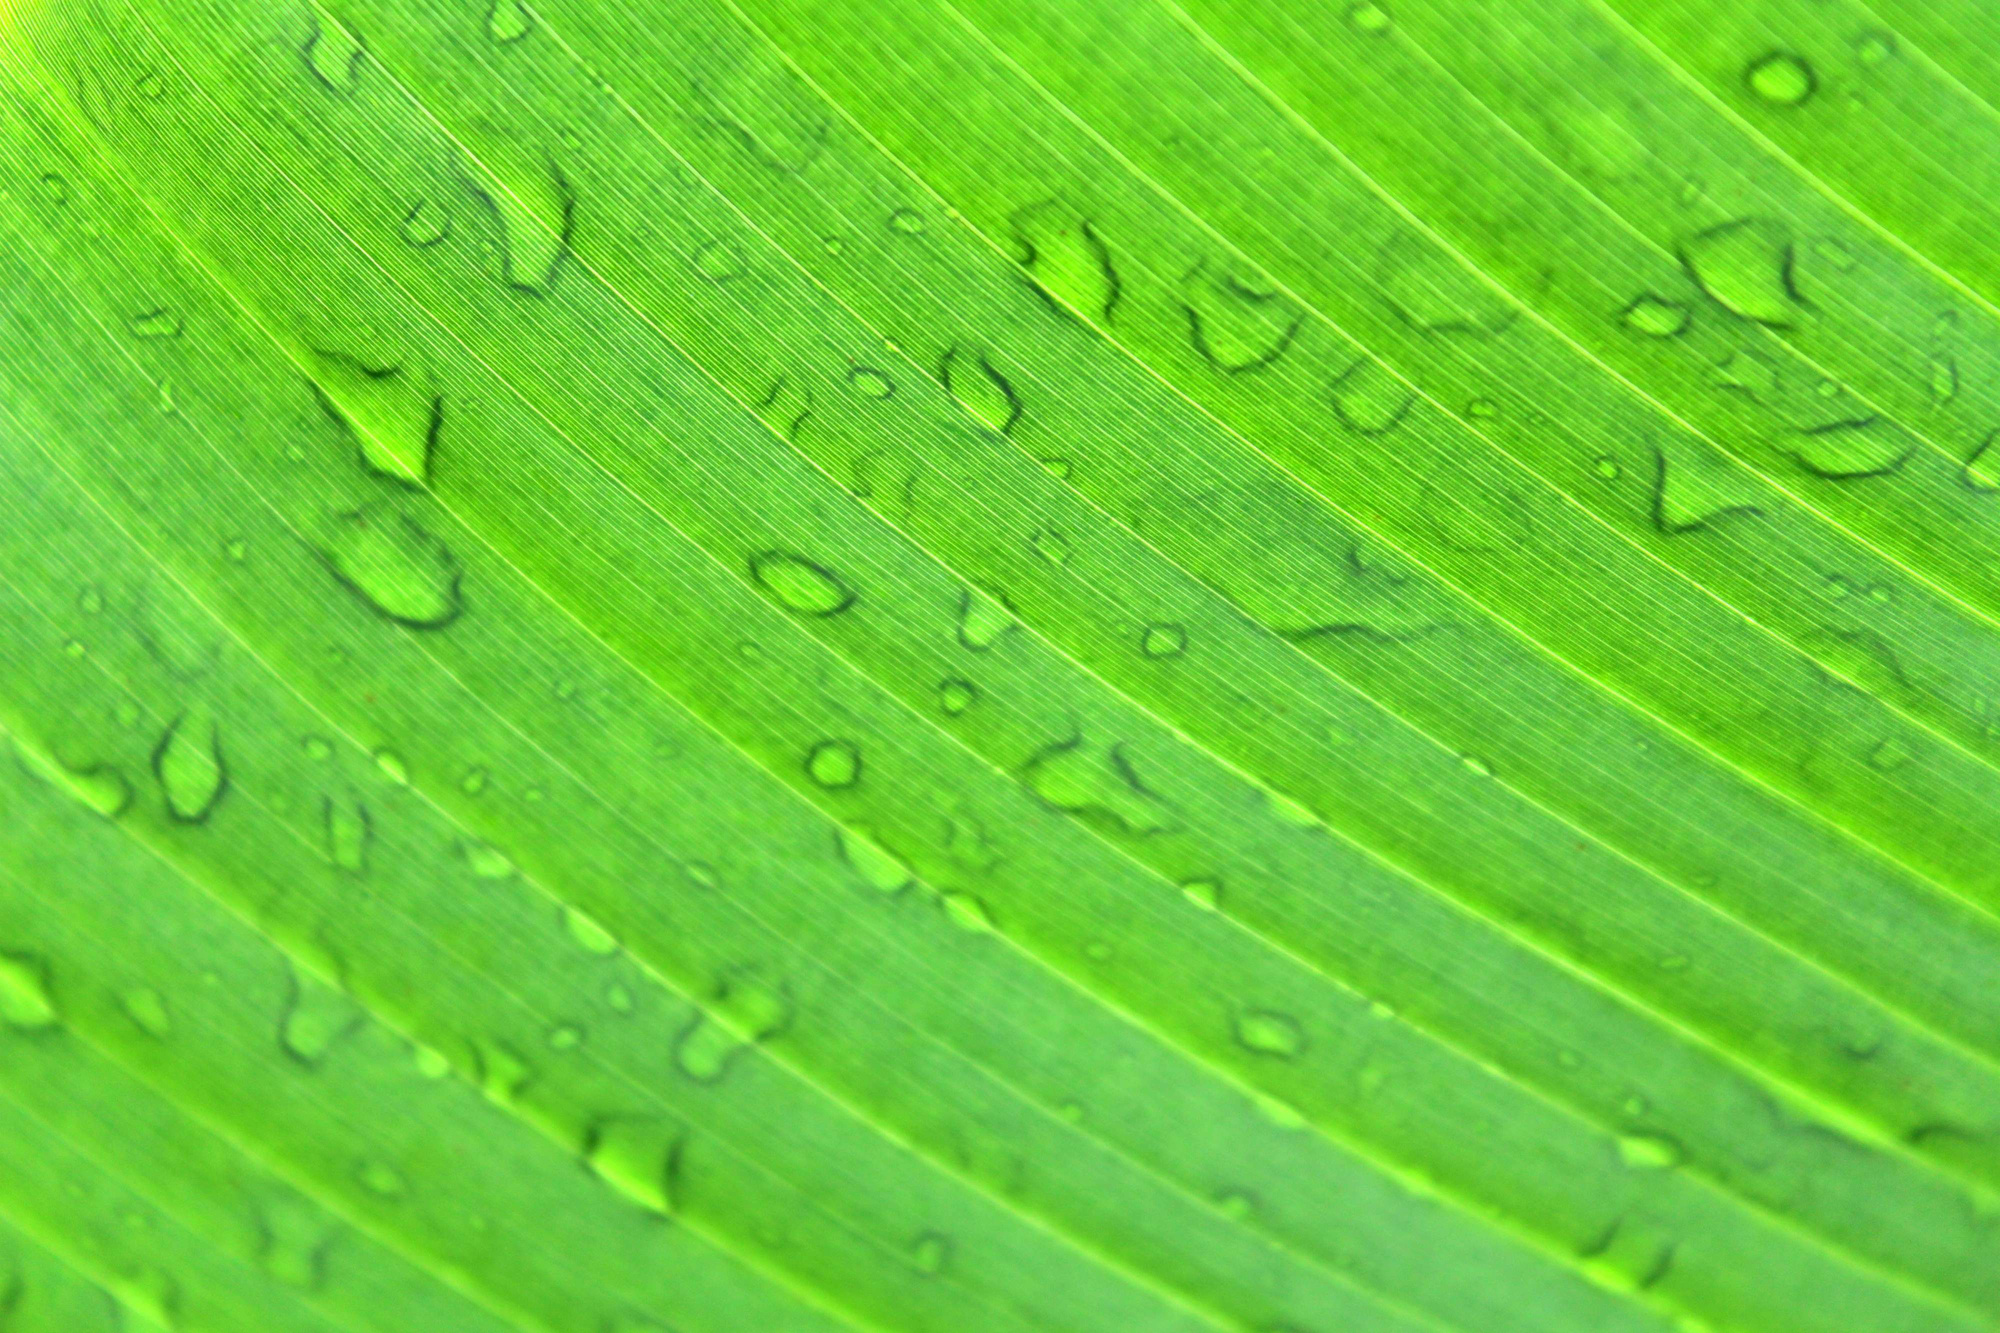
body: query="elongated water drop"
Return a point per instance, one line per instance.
(801, 585)
(395, 565)
(26, 1004)
(189, 765)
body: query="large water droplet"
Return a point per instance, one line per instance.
(1098, 782)
(1237, 323)
(189, 765)
(638, 1158)
(26, 1003)
(1270, 1033)
(980, 389)
(396, 413)
(1068, 259)
(1746, 266)
(1780, 78)
(745, 1011)
(801, 585)
(1368, 399)
(982, 619)
(396, 565)
(536, 211)
(333, 53)
(98, 787)
(874, 863)
(1853, 450)
(834, 763)
(1694, 490)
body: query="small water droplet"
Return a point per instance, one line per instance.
(486, 860)
(1068, 259)
(1944, 380)
(147, 1009)
(982, 619)
(510, 21)
(1890, 755)
(870, 382)
(1655, 317)
(55, 188)
(348, 832)
(1051, 546)
(834, 244)
(588, 934)
(565, 1037)
(425, 224)
(316, 1018)
(1368, 17)
(1235, 1205)
(431, 1064)
(1607, 467)
(1746, 372)
(1163, 640)
(1267, 1032)
(834, 763)
(618, 999)
(968, 913)
(189, 766)
(1875, 47)
(930, 1253)
(26, 1003)
(474, 781)
(1482, 409)
(719, 261)
(382, 1179)
(1204, 893)
(1476, 765)
(955, 695)
(907, 221)
(874, 863)
(152, 85)
(98, 787)
(800, 584)
(1648, 1152)
(1780, 78)
(158, 322)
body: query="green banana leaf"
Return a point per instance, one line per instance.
(954, 666)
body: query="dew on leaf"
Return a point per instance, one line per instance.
(97, 787)
(503, 1074)
(1238, 324)
(1874, 48)
(536, 211)
(1369, 399)
(509, 21)
(878, 867)
(379, 1178)
(1267, 1032)
(485, 860)
(743, 1012)
(1648, 1152)
(395, 565)
(1853, 450)
(147, 1009)
(907, 221)
(982, 619)
(315, 1019)
(588, 935)
(55, 188)
(1099, 782)
(956, 695)
(1368, 17)
(1067, 258)
(1482, 409)
(719, 261)
(1944, 380)
(1607, 467)
(474, 782)
(333, 53)
(1434, 293)
(292, 1241)
(189, 766)
(1163, 640)
(1204, 893)
(930, 1252)
(981, 390)
(1655, 317)
(1476, 766)
(1746, 372)
(395, 413)
(1235, 1205)
(348, 831)
(801, 585)
(424, 225)
(392, 766)
(834, 763)
(1982, 467)
(870, 382)
(1050, 545)
(26, 1003)
(1746, 267)
(1890, 755)
(431, 1064)
(1696, 491)
(565, 1037)
(968, 913)
(1780, 78)
(156, 323)
(638, 1158)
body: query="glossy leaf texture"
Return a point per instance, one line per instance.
(936, 665)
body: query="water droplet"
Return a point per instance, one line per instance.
(1476, 766)
(1655, 317)
(907, 221)
(589, 936)
(159, 322)
(348, 832)
(1368, 399)
(618, 999)
(1746, 372)
(1163, 640)
(968, 913)
(1050, 545)
(800, 584)
(1944, 380)
(317, 748)
(1482, 409)
(1235, 1205)
(719, 261)
(834, 244)
(395, 414)
(292, 1241)
(1853, 449)
(1890, 755)
(26, 1004)
(425, 224)
(510, 21)
(834, 763)
(1874, 48)
(1237, 323)
(640, 1159)
(535, 210)
(333, 53)
(565, 1037)
(431, 1064)
(55, 188)
(1280, 1113)
(955, 695)
(745, 1011)
(1435, 293)
(189, 766)
(1098, 782)
(874, 863)
(98, 787)
(474, 781)
(1696, 491)
(396, 566)
(1368, 17)
(1204, 893)
(392, 766)
(1270, 1033)
(1607, 467)
(1068, 259)
(90, 601)
(382, 1179)
(147, 1009)
(1982, 467)
(503, 1074)
(870, 382)
(982, 619)
(930, 1252)
(1648, 1152)
(980, 389)
(315, 1019)
(1780, 78)
(1745, 266)
(1290, 810)
(485, 860)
